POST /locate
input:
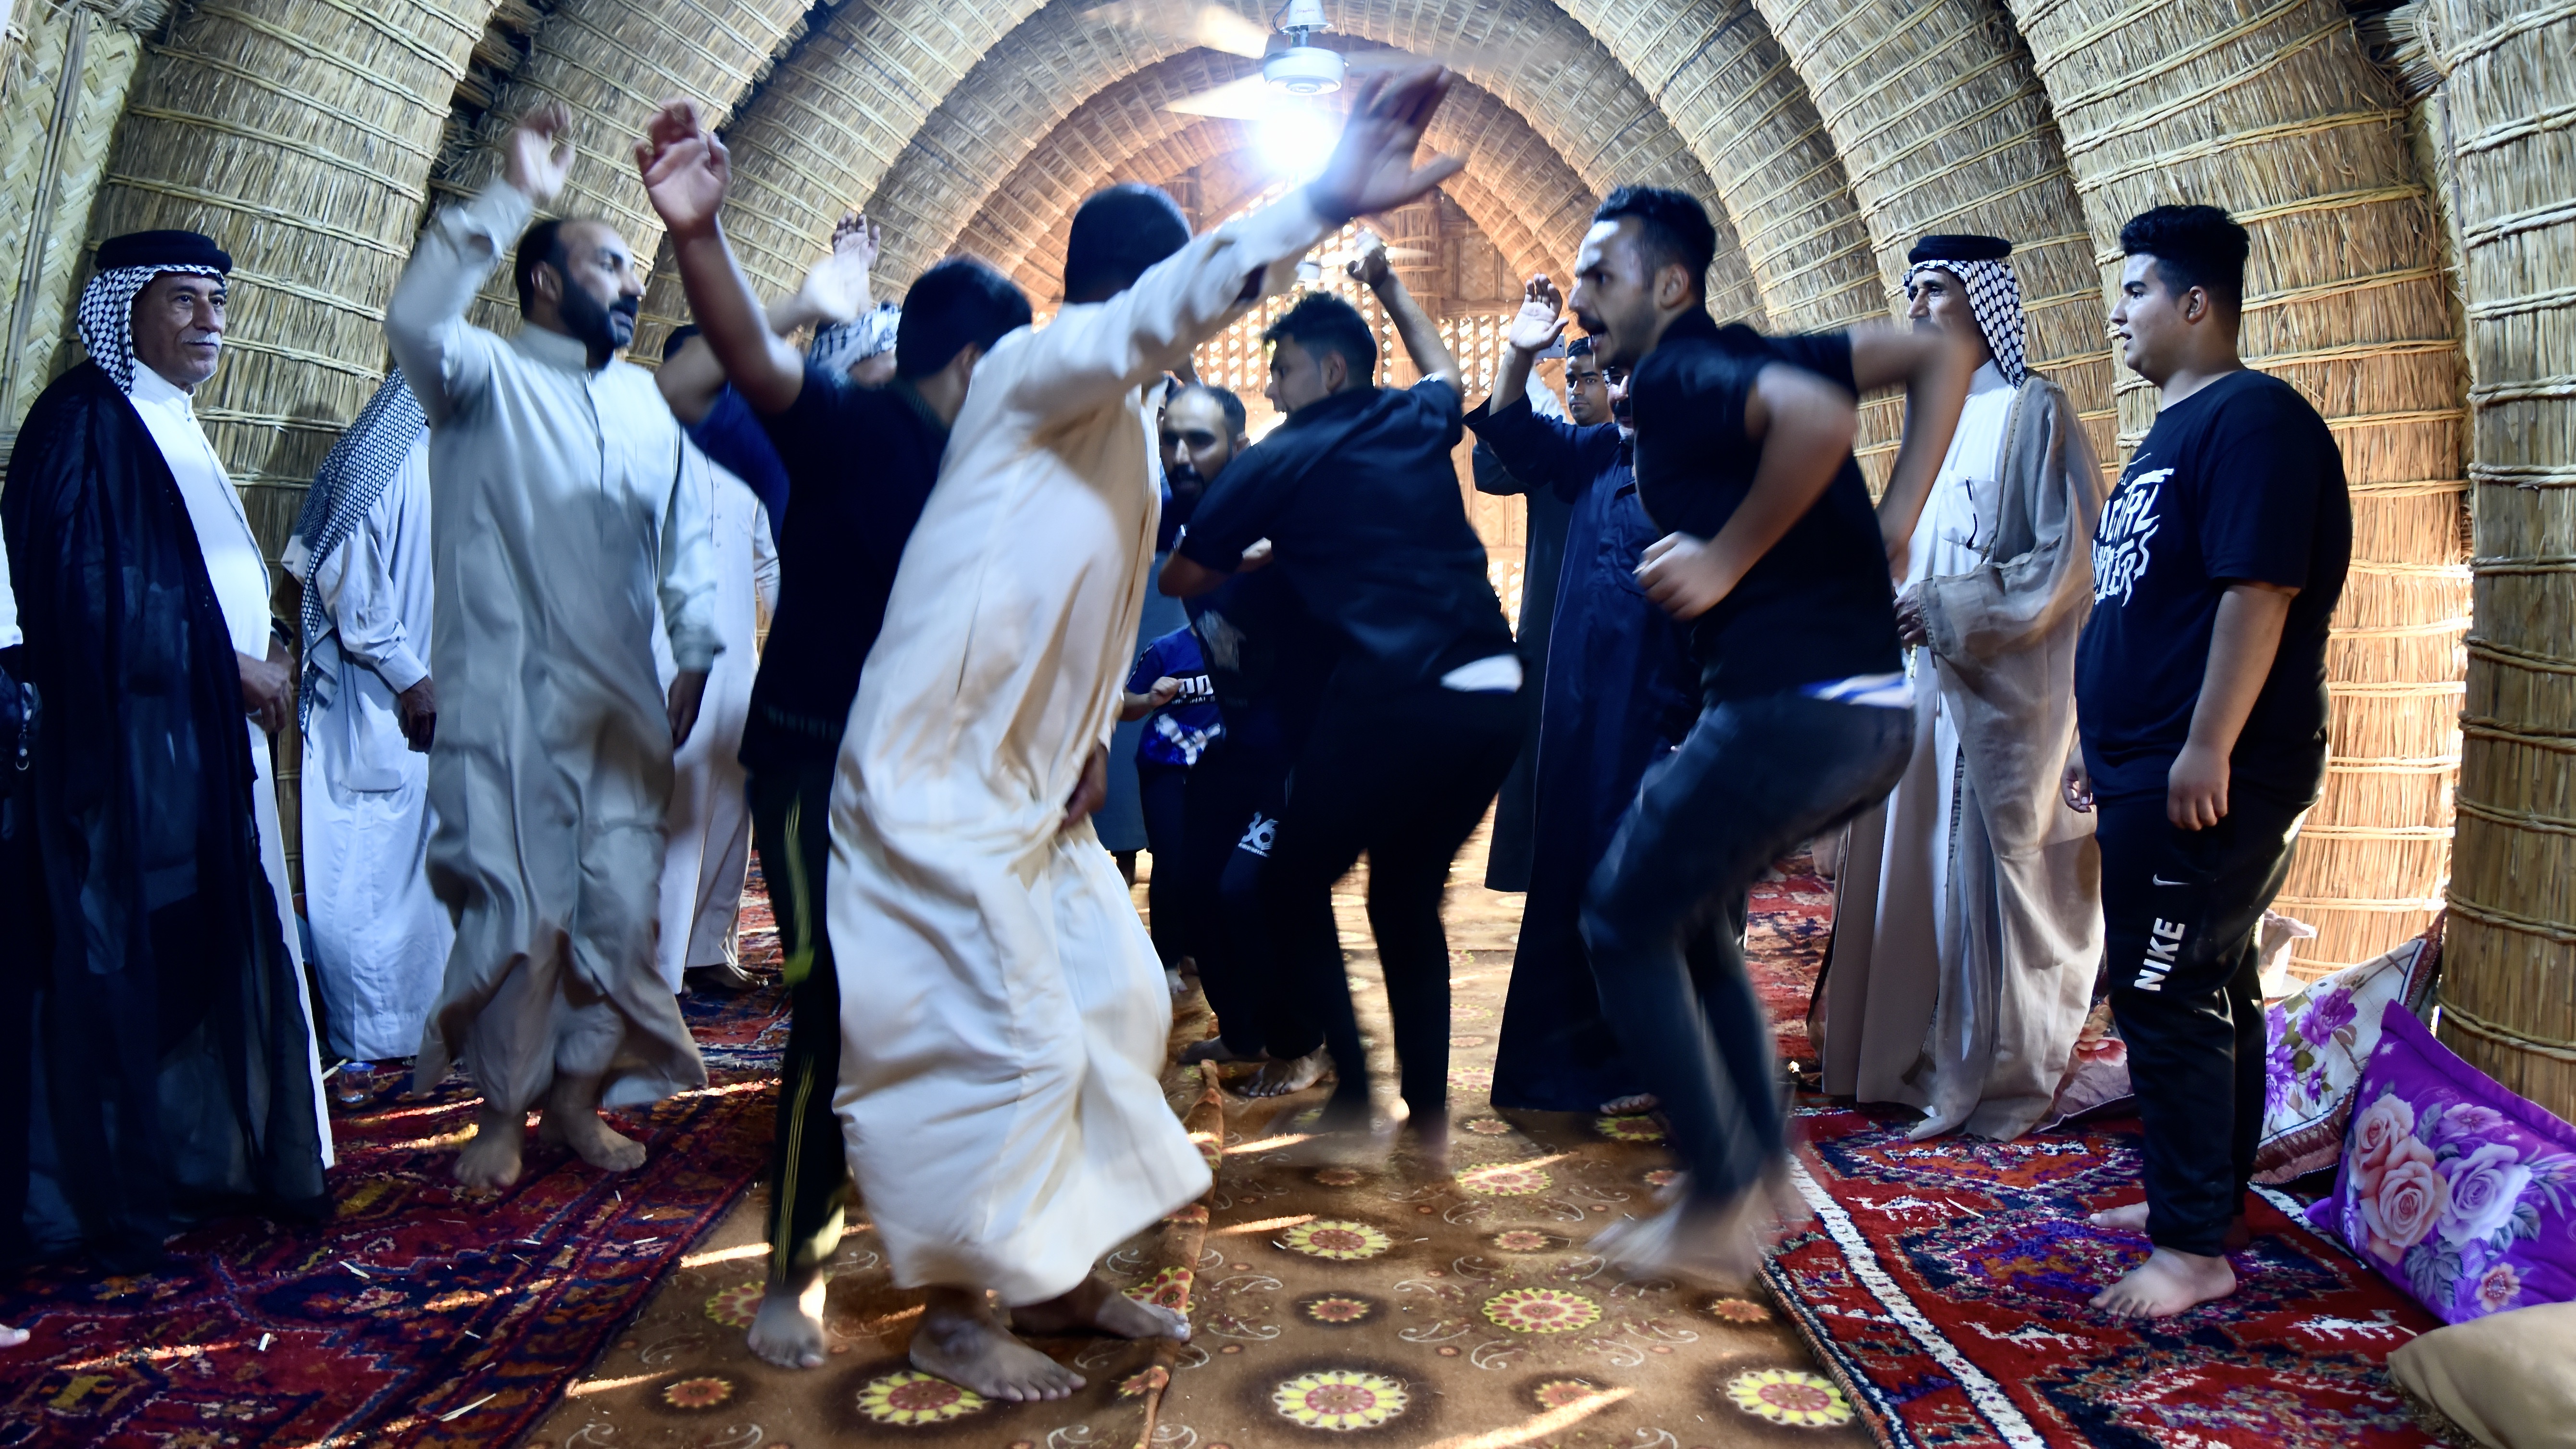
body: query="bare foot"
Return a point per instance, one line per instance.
(11, 1337)
(491, 1158)
(2132, 1218)
(788, 1329)
(572, 1119)
(1277, 1078)
(1430, 1134)
(1721, 1244)
(1631, 1106)
(1214, 1049)
(2167, 1284)
(1098, 1308)
(961, 1340)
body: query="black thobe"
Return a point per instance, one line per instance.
(1620, 693)
(1507, 857)
(166, 1076)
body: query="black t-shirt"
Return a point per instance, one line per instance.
(1360, 501)
(2239, 482)
(860, 463)
(1818, 606)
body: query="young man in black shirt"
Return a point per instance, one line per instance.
(2200, 700)
(1359, 500)
(860, 462)
(1775, 563)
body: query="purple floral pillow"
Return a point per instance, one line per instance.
(2452, 1187)
(2319, 1041)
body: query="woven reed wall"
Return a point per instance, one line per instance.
(2509, 989)
(43, 211)
(2271, 110)
(1942, 124)
(824, 128)
(1716, 69)
(614, 62)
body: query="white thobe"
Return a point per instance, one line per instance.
(1919, 925)
(380, 937)
(1004, 1017)
(561, 513)
(240, 578)
(710, 819)
(10, 638)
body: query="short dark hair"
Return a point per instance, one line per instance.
(1236, 421)
(540, 245)
(1118, 232)
(2193, 246)
(1672, 227)
(1322, 322)
(1578, 347)
(960, 302)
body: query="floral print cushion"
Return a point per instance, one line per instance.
(2455, 1189)
(2318, 1040)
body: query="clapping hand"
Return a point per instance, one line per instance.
(836, 289)
(1541, 319)
(1371, 169)
(1367, 265)
(1683, 575)
(538, 159)
(686, 170)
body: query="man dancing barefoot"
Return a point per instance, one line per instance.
(1004, 1015)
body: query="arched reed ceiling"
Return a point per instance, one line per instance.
(1941, 122)
(1110, 137)
(1536, 60)
(299, 134)
(614, 62)
(2272, 111)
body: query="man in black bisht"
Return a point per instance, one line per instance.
(157, 1062)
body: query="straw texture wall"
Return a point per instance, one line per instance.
(2509, 994)
(65, 87)
(1942, 123)
(2269, 109)
(614, 62)
(299, 135)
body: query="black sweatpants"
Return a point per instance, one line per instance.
(791, 825)
(1231, 820)
(1163, 791)
(1403, 779)
(2179, 912)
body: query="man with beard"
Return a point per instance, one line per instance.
(1619, 697)
(560, 513)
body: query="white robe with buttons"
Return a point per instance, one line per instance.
(562, 517)
(1004, 1019)
(380, 936)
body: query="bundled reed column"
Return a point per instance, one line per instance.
(2509, 987)
(2269, 109)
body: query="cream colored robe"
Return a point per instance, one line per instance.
(560, 516)
(1968, 1007)
(1004, 1018)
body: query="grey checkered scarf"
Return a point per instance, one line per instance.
(1994, 299)
(843, 345)
(107, 317)
(356, 473)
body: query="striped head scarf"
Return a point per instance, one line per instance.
(1994, 293)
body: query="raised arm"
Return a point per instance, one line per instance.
(1934, 368)
(1431, 356)
(1534, 329)
(1094, 352)
(444, 358)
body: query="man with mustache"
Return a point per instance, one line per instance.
(560, 513)
(157, 1001)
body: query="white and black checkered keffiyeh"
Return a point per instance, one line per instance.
(354, 474)
(1994, 299)
(107, 317)
(843, 345)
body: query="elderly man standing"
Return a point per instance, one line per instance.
(361, 549)
(1970, 921)
(173, 1048)
(562, 513)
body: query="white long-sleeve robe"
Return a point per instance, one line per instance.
(380, 937)
(241, 582)
(1004, 1017)
(561, 513)
(710, 820)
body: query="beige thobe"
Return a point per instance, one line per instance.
(1004, 1016)
(561, 516)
